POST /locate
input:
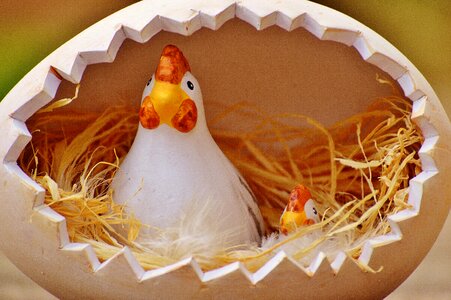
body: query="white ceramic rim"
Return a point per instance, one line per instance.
(143, 20)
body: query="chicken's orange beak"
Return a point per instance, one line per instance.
(167, 103)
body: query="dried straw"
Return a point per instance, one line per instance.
(357, 170)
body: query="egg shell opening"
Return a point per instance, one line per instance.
(36, 236)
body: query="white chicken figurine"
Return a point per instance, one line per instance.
(174, 161)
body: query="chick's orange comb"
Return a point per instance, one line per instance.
(298, 197)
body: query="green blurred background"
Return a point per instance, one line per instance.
(30, 30)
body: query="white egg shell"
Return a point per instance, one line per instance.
(35, 238)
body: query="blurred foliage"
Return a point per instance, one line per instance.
(420, 29)
(31, 30)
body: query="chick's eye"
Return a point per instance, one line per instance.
(148, 82)
(190, 85)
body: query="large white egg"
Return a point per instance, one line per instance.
(304, 58)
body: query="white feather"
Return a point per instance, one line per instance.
(195, 234)
(330, 247)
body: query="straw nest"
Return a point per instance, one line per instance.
(358, 171)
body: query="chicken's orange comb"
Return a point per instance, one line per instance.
(173, 65)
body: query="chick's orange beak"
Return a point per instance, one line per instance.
(167, 103)
(291, 220)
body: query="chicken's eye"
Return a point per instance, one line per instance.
(148, 82)
(190, 85)
(314, 211)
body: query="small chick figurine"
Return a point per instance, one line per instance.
(300, 211)
(174, 161)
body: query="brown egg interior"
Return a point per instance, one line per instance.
(279, 71)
